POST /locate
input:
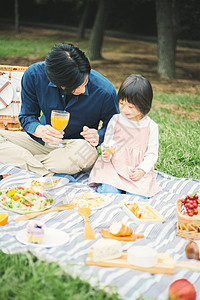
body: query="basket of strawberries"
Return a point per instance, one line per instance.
(188, 213)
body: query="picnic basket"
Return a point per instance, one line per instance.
(187, 227)
(10, 99)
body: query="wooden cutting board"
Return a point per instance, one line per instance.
(107, 235)
(166, 265)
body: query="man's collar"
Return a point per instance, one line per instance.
(51, 84)
(86, 91)
(86, 88)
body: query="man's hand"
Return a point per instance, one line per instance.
(90, 135)
(48, 134)
(136, 174)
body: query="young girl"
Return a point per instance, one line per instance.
(130, 169)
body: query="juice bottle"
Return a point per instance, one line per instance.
(192, 250)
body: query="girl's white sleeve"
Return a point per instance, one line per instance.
(109, 135)
(151, 155)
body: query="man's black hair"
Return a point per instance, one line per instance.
(67, 66)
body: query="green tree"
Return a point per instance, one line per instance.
(96, 38)
(17, 16)
(167, 17)
(83, 19)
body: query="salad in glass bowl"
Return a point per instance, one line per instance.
(23, 200)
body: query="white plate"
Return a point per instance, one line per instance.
(76, 192)
(23, 212)
(47, 183)
(52, 238)
(159, 219)
(6, 94)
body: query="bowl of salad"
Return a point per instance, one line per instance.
(23, 200)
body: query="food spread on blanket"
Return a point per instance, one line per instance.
(191, 205)
(45, 184)
(105, 232)
(121, 232)
(35, 232)
(192, 250)
(142, 211)
(3, 219)
(22, 199)
(106, 249)
(182, 289)
(142, 256)
(90, 199)
(120, 229)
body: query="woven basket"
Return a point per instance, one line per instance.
(10, 123)
(12, 68)
(187, 227)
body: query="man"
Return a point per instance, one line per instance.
(64, 81)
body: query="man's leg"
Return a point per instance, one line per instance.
(77, 155)
(18, 149)
(23, 140)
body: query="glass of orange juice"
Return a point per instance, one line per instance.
(59, 121)
(110, 147)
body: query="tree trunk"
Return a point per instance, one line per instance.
(96, 38)
(81, 27)
(16, 17)
(166, 39)
(176, 7)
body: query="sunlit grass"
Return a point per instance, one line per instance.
(179, 138)
(24, 277)
(10, 46)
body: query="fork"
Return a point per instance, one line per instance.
(88, 231)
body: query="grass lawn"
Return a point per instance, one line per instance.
(178, 117)
(24, 277)
(177, 114)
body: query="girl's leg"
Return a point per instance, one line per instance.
(127, 193)
(106, 188)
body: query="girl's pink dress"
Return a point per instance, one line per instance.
(130, 151)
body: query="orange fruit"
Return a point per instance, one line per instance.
(3, 219)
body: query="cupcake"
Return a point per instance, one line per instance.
(35, 232)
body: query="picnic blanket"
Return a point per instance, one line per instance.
(72, 256)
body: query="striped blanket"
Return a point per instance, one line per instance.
(72, 256)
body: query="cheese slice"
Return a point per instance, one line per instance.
(105, 249)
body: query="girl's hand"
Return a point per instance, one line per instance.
(48, 134)
(90, 135)
(136, 174)
(106, 157)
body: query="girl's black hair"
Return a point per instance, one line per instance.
(67, 66)
(137, 90)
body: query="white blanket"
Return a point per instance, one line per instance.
(72, 255)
